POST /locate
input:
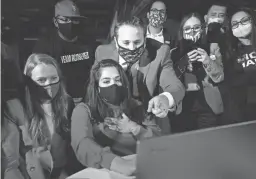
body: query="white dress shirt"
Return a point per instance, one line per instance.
(158, 37)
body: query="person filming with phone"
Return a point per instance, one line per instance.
(198, 64)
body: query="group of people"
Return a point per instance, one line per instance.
(76, 109)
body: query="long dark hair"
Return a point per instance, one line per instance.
(99, 108)
(180, 39)
(235, 43)
(33, 104)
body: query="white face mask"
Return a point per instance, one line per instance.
(242, 30)
(193, 36)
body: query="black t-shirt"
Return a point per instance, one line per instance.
(244, 66)
(75, 60)
(244, 75)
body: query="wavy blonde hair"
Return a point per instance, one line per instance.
(33, 104)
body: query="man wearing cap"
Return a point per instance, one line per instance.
(75, 58)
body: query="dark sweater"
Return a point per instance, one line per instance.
(244, 66)
(75, 60)
(242, 75)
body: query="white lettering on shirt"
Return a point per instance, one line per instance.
(248, 60)
(253, 55)
(75, 57)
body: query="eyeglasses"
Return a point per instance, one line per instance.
(64, 20)
(243, 21)
(189, 29)
(162, 11)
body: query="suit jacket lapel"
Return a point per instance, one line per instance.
(144, 66)
(114, 53)
(149, 55)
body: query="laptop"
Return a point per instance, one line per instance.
(227, 152)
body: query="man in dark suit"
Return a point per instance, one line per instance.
(156, 32)
(149, 68)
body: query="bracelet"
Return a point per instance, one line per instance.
(213, 57)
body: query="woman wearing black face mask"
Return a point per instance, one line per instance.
(242, 67)
(198, 64)
(108, 124)
(42, 116)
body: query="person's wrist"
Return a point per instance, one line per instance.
(206, 60)
(136, 130)
(169, 99)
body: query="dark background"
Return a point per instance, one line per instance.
(32, 17)
(29, 19)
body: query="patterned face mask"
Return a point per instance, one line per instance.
(131, 56)
(156, 18)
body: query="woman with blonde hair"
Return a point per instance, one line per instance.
(42, 115)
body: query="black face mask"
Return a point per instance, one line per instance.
(113, 94)
(214, 32)
(131, 56)
(43, 93)
(69, 30)
(189, 45)
(48, 92)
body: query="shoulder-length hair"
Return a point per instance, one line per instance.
(235, 42)
(99, 108)
(180, 37)
(33, 104)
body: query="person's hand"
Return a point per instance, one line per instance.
(111, 123)
(45, 157)
(193, 56)
(123, 166)
(159, 106)
(125, 125)
(203, 56)
(190, 66)
(33, 165)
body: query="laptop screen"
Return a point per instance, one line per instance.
(220, 153)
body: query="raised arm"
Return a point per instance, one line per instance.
(169, 81)
(213, 66)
